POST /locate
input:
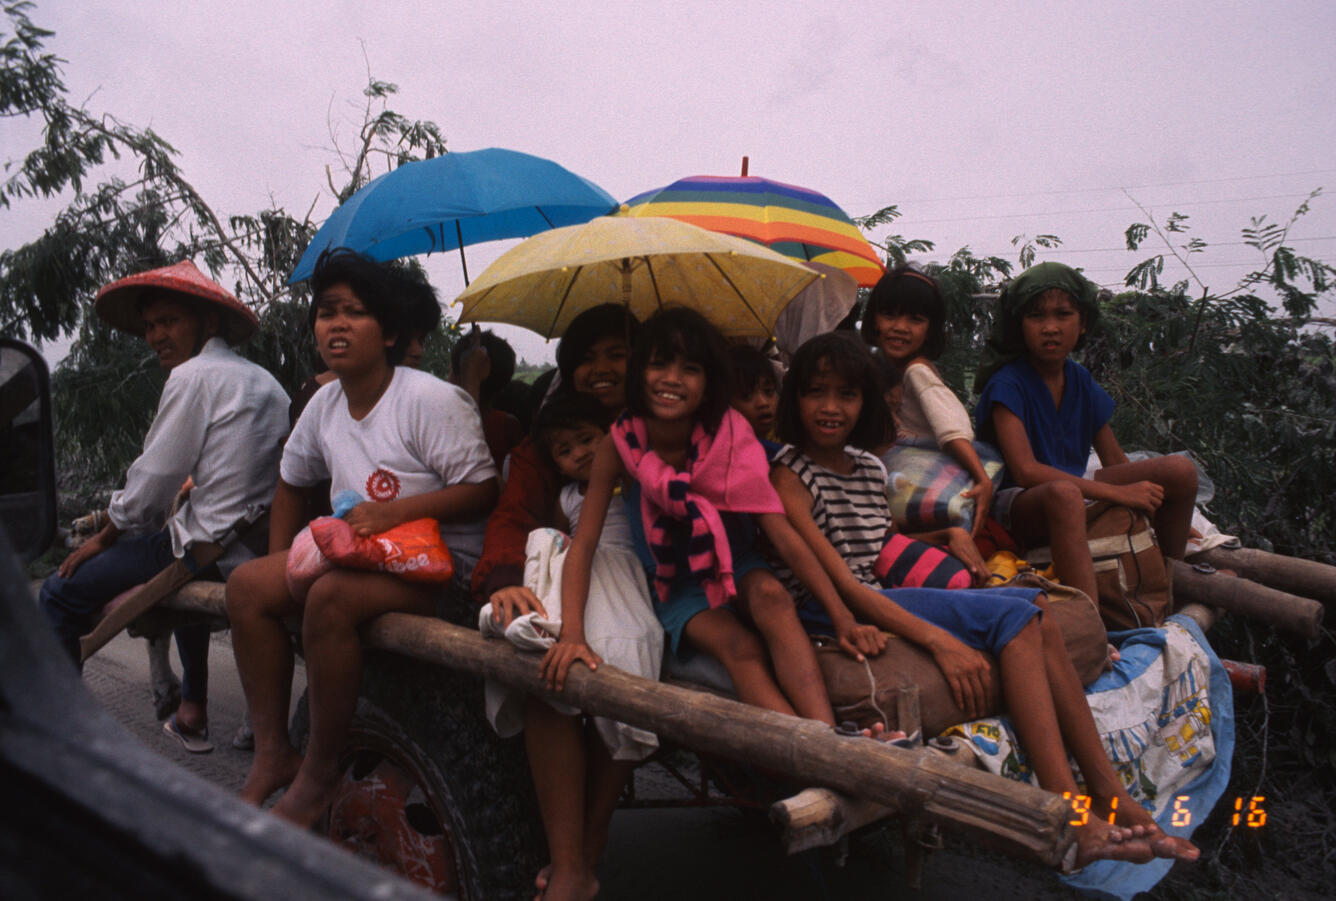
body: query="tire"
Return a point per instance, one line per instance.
(429, 790)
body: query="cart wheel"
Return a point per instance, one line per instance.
(429, 791)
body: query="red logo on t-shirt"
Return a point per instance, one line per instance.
(382, 485)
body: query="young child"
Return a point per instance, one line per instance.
(833, 495)
(906, 321)
(694, 478)
(1045, 412)
(620, 625)
(411, 446)
(755, 392)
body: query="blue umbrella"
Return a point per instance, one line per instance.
(450, 201)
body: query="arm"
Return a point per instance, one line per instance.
(95, 545)
(960, 544)
(964, 453)
(474, 366)
(451, 503)
(950, 424)
(965, 668)
(853, 639)
(1029, 472)
(287, 515)
(571, 645)
(172, 447)
(1107, 448)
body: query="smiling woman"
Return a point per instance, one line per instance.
(591, 362)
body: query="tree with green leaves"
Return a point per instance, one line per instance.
(112, 227)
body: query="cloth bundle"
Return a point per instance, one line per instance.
(910, 563)
(1165, 715)
(925, 486)
(620, 627)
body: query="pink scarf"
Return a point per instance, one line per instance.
(726, 471)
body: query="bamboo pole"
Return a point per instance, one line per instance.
(1013, 817)
(1287, 612)
(819, 817)
(1293, 574)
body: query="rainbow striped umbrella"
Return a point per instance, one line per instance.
(794, 221)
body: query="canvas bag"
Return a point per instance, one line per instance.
(865, 693)
(1135, 588)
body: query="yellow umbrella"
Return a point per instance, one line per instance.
(549, 279)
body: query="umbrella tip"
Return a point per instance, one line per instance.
(744, 166)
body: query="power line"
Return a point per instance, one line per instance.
(1162, 184)
(1074, 250)
(908, 220)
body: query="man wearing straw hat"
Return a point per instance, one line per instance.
(221, 422)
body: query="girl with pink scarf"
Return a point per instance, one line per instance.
(696, 484)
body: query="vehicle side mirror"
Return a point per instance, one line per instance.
(28, 472)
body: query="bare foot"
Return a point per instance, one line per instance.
(307, 798)
(568, 886)
(541, 880)
(269, 773)
(1132, 815)
(1097, 840)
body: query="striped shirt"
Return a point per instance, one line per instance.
(850, 510)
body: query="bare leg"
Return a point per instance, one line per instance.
(1178, 477)
(1030, 704)
(603, 787)
(1081, 737)
(257, 599)
(719, 633)
(1056, 511)
(558, 761)
(770, 606)
(338, 604)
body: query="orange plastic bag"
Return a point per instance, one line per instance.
(412, 551)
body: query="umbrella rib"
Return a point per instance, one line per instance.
(540, 212)
(654, 282)
(741, 297)
(570, 286)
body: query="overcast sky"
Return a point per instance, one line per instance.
(982, 121)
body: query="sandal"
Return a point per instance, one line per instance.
(196, 741)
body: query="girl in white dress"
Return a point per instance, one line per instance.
(619, 623)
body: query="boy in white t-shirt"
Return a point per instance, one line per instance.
(411, 446)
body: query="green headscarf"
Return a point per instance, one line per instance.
(1005, 342)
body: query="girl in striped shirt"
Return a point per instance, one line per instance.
(833, 492)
